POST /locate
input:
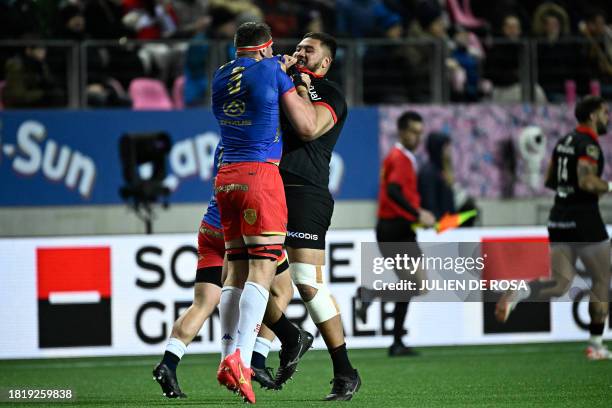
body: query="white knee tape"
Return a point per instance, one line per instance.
(322, 306)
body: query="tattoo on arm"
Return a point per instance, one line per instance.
(588, 179)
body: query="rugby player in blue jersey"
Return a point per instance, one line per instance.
(207, 292)
(247, 95)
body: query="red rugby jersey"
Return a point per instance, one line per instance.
(399, 167)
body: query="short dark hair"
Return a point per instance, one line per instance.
(327, 41)
(587, 106)
(252, 33)
(407, 117)
(591, 14)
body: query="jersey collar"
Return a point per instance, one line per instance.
(587, 130)
(408, 154)
(309, 72)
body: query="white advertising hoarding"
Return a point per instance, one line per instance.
(119, 295)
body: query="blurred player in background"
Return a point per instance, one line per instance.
(575, 227)
(249, 190)
(305, 172)
(399, 207)
(207, 292)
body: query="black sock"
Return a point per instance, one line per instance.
(399, 315)
(258, 360)
(340, 360)
(171, 360)
(596, 329)
(286, 332)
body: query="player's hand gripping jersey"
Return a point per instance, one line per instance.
(245, 98)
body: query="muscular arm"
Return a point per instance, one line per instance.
(300, 111)
(588, 179)
(324, 122)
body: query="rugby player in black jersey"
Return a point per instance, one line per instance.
(305, 171)
(575, 227)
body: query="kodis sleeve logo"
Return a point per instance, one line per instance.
(74, 296)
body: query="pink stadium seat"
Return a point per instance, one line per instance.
(149, 94)
(177, 92)
(463, 15)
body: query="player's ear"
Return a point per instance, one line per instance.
(326, 62)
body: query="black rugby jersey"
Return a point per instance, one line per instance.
(581, 144)
(309, 161)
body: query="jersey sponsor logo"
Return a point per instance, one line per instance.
(228, 188)
(303, 235)
(565, 149)
(234, 108)
(250, 216)
(592, 151)
(313, 94)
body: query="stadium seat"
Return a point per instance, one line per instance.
(178, 92)
(149, 94)
(463, 16)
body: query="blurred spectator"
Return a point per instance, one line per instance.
(71, 21)
(150, 19)
(192, 17)
(384, 66)
(436, 176)
(467, 52)
(429, 27)
(293, 19)
(360, 18)
(557, 59)
(223, 27)
(110, 68)
(599, 49)
(504, 62)
(103, 19)
(29, 80)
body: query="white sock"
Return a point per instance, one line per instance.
(262, 346)
(176, 347)
(596, 340)
(252, 309)
(228, 316)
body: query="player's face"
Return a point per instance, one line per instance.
(411, 136)
(311, 55)
(603, 117)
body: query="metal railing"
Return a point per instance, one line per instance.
(369, 71)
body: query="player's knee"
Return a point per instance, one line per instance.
(314, 292)
(306, 292)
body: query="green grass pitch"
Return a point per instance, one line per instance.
(529, 375)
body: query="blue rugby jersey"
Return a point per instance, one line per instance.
(212, 216)
(245, 101)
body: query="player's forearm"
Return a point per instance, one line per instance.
(395, 194)
(307, 127)
(595, 185)
(300, 111)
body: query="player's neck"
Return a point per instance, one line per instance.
(588, 129)
(253, 55)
